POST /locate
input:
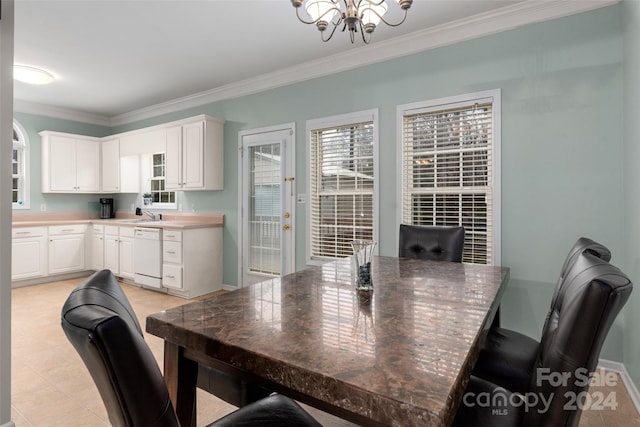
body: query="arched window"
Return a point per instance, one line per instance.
(20, 168)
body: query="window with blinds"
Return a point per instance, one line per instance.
(19, 190)
(341, 187)
(448, 171)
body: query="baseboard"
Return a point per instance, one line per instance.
(50, 278)
(610, 365)
(229, 287)
(9, 424)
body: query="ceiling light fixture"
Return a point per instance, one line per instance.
(363, 14)
(32, 75)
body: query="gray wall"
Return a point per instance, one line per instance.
(631, 14)
(562, 144)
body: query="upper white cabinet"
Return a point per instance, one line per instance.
(110, 165)
(70, 163)
(194, 156)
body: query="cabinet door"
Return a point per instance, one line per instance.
(111, 166)
(62, 163)
(28, 257)
(112, 254)
(126, 257)
(66, 253)
(97, 252)
(173, 159)
(193, 155)
(88, 166)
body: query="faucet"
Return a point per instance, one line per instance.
(152, 215)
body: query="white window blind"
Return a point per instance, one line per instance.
(447, 172)
(342, 188)
(19, 196)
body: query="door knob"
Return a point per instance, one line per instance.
(286, 227)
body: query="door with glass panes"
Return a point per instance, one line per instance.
(266, 205)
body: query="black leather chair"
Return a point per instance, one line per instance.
(507, 357)
(586, 306)
(431, 242)
(100, 323)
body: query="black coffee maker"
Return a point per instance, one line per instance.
(106, 210)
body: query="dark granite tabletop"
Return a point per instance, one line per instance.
(400, 355)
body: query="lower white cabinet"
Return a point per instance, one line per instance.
(192, 261)
(66, 248)
(118, 250)
(28, 252)
(126, 252)
(97, 247)
(112, 249)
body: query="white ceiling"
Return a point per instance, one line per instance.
(117, 61)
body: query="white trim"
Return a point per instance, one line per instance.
(498, 20)
(340, 120)
(610, 365)
(291, 165)
(28, 107)
(495, 95)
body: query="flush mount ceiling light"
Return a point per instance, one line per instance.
(32, 75)
(362, 14)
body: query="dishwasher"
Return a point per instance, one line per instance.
(147, 256)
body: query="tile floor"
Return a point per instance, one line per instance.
(51, 386)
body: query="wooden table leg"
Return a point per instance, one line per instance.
(180, 375)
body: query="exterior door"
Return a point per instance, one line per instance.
(266, 204)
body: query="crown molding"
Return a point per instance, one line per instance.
(496, 21)
(60, 113)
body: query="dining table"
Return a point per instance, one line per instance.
(400, 355)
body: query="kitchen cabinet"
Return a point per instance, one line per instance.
(66, 248)
(118, 251)
(125, 256)
(192, 261)
(112, 249)
(110, 160)
(70, 163)
(97, 247)
(28, 252)
(194, 156)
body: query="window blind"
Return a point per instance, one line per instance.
(447, 172)
(342, 185)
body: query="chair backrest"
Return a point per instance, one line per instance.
(589, 301)
(99, 322)
(431, 242)
(583, 244)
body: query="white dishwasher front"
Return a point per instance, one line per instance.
(147, 256)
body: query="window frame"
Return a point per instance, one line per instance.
(339, 121)
(152, 177)
(494, 96)
(23, 146)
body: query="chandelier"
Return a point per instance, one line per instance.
(364, 15)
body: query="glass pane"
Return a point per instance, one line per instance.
(264, 209)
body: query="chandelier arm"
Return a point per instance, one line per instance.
(404, 18)
(332, 31)
(363, 35)
(319, 18)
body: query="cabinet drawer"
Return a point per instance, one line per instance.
(67, 229)
(19, 232)
(172, 252)
(172, 276)
(127, 231)
(172, 236)
(111, 230)
(97, 229)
